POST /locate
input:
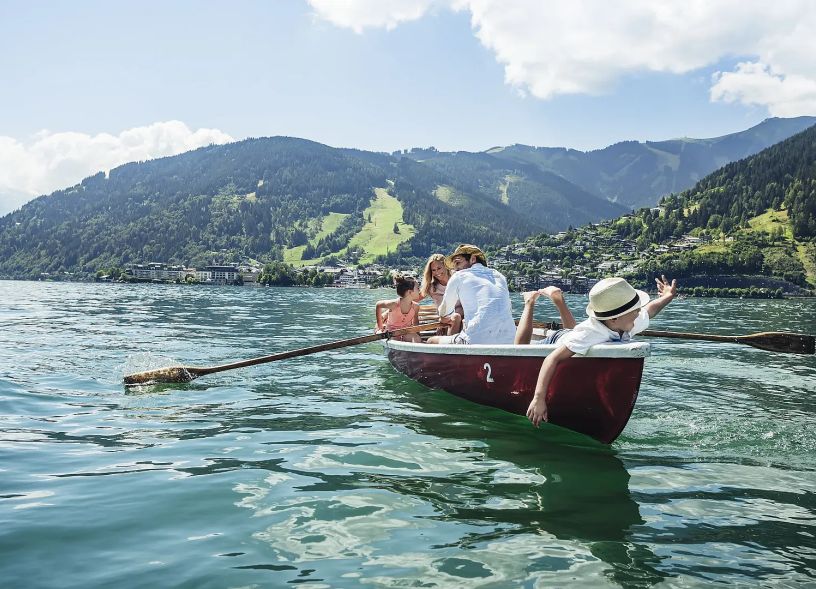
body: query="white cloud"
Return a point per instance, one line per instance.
(361, 14)
(50, 161)
(755, 83)
(587, 46)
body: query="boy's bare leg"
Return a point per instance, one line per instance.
(524, 331)
(557, 297)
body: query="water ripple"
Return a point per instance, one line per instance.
(333, 470)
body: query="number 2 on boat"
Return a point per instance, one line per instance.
(489, 372)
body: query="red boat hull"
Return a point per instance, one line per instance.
(593, 395)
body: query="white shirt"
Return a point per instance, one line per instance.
(485, 299)
(590, 332)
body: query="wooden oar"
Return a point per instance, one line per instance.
(188, 373)
(773, 341)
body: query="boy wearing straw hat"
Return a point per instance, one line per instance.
(616, 313)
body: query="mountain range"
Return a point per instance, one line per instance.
(637, 174)
(751, 223)
(286, 198)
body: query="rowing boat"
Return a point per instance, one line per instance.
(592, 394)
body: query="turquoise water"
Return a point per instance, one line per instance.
(333, 470)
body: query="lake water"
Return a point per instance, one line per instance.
(333, 470)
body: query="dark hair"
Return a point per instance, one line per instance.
(403, 284)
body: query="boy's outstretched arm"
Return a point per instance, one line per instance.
(665, 294)
(537, 411)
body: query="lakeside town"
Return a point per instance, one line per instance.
(246, 274)
(572, 260)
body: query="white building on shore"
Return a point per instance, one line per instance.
(158, 271)
(218, 274)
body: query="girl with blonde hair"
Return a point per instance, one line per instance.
(434, 281)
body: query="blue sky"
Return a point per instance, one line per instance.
(87, 85)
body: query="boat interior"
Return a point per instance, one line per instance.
(429, 314)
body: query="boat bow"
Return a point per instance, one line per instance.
(592, 394)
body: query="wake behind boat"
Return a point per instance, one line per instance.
(592, 394)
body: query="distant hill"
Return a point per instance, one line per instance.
(283, 198)
(782, 177)
(760, 212)
(635, 174)
(525, 188)
(268, 198)
(747, 229)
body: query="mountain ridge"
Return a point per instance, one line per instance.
(752, 218)
(258, 198)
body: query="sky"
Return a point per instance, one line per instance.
(89, 85)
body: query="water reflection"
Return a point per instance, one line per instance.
(335, 469)
(472, 493)
(582, 491)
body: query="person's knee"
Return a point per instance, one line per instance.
(456, 324)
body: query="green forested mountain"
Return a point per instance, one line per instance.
(284, 198)
(523, 187)
(760, 214)
(749, 226)
(780, 177)
(256, 198)
(244, 198)
(637, 174)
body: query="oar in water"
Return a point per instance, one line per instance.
(773, 341)
(188, 373)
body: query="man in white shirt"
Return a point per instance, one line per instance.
(485, 299)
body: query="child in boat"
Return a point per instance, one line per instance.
(402, 311)
(434, 282)
(616, 313)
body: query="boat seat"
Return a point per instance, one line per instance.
(428, 314)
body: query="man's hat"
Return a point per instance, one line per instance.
(467, 250)
(613, 297)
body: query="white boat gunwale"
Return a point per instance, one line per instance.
(611, 350)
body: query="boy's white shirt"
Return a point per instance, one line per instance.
(591, 331)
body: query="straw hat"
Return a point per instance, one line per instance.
(467, 250)
(613, 297)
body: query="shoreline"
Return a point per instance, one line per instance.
(683, 293)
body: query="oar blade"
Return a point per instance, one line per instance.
(780, 341)
(168, 374)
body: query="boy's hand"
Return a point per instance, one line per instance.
(664, 289)
(537, 411)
